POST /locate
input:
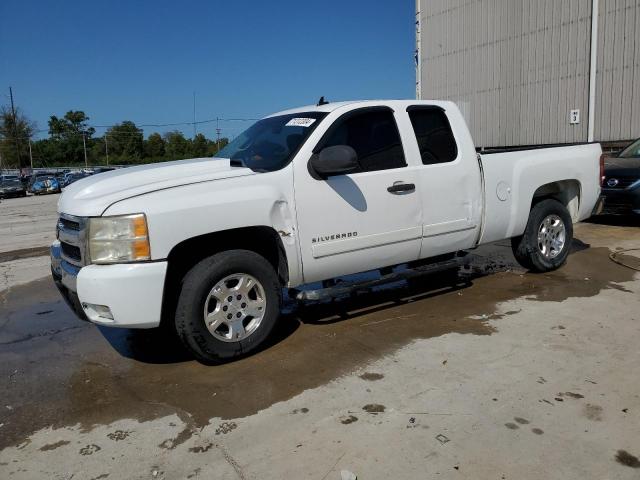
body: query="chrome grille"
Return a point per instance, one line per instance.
(71, 251)
(72, 236)
(69, 224)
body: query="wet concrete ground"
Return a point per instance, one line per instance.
(57, 373)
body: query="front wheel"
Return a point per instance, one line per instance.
(228, 305)
(546, 241)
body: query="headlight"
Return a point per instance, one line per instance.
(119, 239)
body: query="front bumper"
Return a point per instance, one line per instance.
(132, 293)
(621, 202)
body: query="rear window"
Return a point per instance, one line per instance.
(433, 133)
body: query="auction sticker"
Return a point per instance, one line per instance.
(300, 122)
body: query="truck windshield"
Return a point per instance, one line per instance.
(270, 143)
(632, 150)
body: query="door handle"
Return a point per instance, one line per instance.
(401, 187)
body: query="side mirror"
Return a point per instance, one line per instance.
(336, 160)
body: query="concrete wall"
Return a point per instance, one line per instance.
(618, 77)
(518, 67)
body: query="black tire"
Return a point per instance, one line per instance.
(525, 247)
(196, 285)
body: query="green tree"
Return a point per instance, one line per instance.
(15, 133)
(154, 146)
(98, 154)
(48, 152)
(212, 149)
(69, 132)
(125, 142)
(199, 146)
(73, 123)
(176, 146)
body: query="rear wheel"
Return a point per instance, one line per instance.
(546, 241)
(228, 305)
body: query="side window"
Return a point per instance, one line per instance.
(434, 135)
(375, 138)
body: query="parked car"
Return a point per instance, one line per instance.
(72, 177)
(37, 177)
(48, 184)
(12, 188)
(621, 182)
(307, 195)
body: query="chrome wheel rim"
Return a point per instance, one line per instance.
(551, 236)
(235, 307)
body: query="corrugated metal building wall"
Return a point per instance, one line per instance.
(518, 67)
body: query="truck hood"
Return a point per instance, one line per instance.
(91, 196)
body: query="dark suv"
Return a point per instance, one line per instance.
(621, 184)
(12, 188)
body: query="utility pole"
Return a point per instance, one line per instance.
(84, 146)
(194, 115)
(218, 135)
(15, 129)
(30, 155)
(106, 148)
(418, 53)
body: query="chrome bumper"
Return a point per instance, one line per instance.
(65, 277)
(68, 273)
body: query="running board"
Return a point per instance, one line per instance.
(348, 288)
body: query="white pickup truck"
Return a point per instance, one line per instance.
(306, 195)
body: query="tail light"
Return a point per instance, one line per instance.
(602, 157)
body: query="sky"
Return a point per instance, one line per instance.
(143, 60)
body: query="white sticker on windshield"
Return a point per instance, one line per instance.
(300, 122)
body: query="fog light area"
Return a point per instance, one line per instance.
(98, 313)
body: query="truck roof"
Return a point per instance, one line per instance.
(331, 106)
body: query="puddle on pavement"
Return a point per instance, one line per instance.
(630, 260)
(57, 371)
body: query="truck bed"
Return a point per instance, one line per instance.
(537, 173)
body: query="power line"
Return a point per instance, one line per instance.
(62, 137)
(111, 133)
(159, 125)
(211, 120)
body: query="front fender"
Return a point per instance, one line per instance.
(180, 213)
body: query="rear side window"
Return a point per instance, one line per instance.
(374, 136)
(434, 135)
